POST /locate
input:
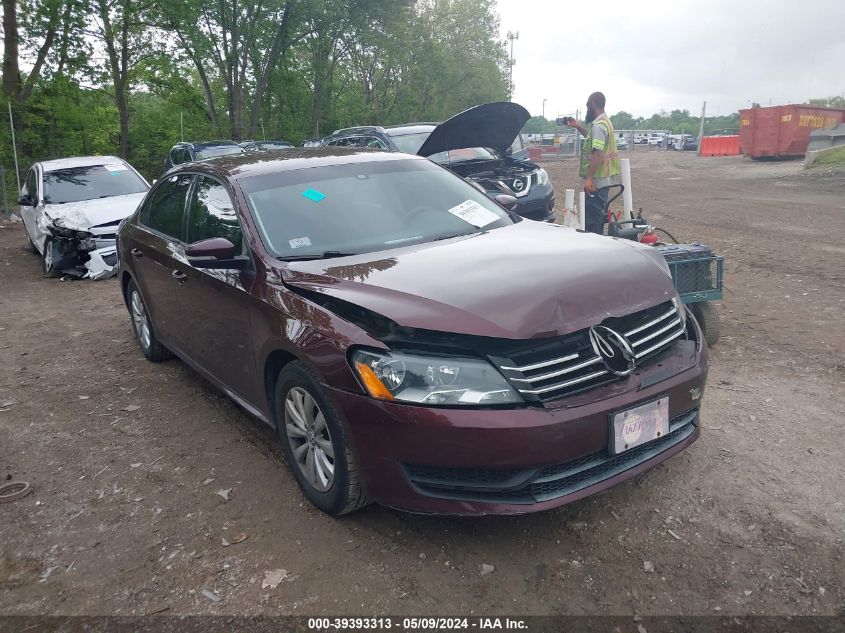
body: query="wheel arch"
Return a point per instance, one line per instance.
(125, 278)
(275, 362)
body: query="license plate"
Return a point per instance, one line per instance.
(639, 425)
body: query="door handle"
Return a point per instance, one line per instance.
(137, 254)
(178, 275)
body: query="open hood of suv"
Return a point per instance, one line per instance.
(492, 125)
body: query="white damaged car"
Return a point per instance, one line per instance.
(71, 208)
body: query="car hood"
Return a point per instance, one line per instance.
(492, 125)
(529, 280)
(84, 214)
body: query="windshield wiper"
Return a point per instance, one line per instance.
(449, 237)
(325, 255)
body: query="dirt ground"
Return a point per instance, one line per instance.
(125, 457)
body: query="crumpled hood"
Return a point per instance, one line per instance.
(490, 125)
(84, 214)
(529, 280)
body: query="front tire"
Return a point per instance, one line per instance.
(48, 263)
(142, 325)
(314, 443)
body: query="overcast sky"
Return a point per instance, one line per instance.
(648, 55)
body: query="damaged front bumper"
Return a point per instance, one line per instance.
(85, 254)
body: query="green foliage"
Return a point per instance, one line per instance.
(284, 69)
(539, 125)
(677, 121)
(837, 101)
(835, 156)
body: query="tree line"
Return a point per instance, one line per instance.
(132, 77)
(676, 121)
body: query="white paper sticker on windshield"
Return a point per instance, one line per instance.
(116, 167)
(472, 212)
(299, 242)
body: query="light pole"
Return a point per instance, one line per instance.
(512, 36)
(544, 108)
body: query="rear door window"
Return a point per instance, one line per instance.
(212, 214)
(165, 212)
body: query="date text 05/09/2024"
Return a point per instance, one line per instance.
(416, 624)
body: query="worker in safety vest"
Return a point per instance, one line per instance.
(599, 161)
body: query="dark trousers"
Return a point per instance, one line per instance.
(595, 211)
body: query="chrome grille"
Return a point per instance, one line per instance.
(569, 365)
(510, 182)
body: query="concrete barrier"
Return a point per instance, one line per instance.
(823, 141)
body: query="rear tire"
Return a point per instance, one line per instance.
(142, 325)
(48, 264)
(708, 318)
(31, 244)
(314, 443)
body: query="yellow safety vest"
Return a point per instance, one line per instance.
(608, 171)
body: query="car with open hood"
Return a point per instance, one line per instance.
(481, 144)
(71, 208)
(411, 340)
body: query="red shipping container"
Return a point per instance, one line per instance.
(783, 131)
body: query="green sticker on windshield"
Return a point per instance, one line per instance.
(313, 194)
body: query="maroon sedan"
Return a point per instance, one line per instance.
(414, 342)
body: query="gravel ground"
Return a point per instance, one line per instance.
(126, 457)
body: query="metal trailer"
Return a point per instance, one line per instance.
(698, 275)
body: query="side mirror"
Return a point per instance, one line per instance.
(215, 252)
(509, 202)
(26, 201)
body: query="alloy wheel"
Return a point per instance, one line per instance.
(309, 438)
(139, 318)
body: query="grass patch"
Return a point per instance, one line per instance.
(833, 157)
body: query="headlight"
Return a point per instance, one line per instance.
(542, 177)
(431, 380)
(681, 308)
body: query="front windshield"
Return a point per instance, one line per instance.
(411, 144)
(221, 150)
(365, 207)
(87, 183)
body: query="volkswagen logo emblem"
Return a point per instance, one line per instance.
(517, 185)
(614, 350)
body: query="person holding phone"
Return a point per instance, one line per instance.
(599, 161)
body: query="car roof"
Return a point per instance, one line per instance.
(410, 128)
(358, 129)
(237, 166)
(79, 161)
(201, 144)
